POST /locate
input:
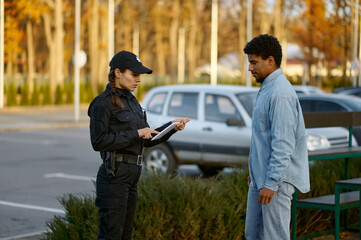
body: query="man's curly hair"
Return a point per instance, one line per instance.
(265, 46)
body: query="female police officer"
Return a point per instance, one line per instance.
(119, 131)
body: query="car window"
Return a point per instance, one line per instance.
(183, 105)
(248, 100)
(357, 94)
(324, 106)
(156, 104)
(219, 108)
(354, 104)
(306, 105)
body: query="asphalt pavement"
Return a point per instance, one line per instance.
(42, 117)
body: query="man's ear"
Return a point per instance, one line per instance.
(271, 60)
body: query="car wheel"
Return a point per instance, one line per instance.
(160, 159)
(210, 171)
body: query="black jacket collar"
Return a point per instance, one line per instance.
(119, 92)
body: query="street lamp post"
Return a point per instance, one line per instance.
(359, 59)
(110, 29)
(249, 36)
(2, 54)
(76, 61)
(136, 35)
(214, 43)
(355, 38)
(181, 55)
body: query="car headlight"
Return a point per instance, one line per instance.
(316, 142)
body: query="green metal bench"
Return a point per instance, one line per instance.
(338, 201)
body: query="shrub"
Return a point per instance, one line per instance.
(168, 208)
(86, 92)
(187, 208)
(80, 221)
(58, 95)
(100, 88)
(11, 95)
(83, 93)
(35, 96)
(69, 92)
(197, 208)
(25, 99)
(46, 91)
(89, 92)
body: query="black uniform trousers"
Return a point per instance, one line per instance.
(117, 199)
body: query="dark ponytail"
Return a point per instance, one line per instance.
(115, 98)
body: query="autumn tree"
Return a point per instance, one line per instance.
(97, 29)
(13, 37)
(160, 20)
(323, 35)
(308, 30)
(173, 36)
(29, 12)
(341, 22)
(54, 34)
(40, 33)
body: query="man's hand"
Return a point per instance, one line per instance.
(146, 133)
(182, 123)
(265, 196)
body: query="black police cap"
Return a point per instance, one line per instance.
(125, 59)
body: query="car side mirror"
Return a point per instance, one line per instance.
(235, 122)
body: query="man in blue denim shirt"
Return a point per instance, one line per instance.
(278, 161)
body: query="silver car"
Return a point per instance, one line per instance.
(219, 133)
(307, 89)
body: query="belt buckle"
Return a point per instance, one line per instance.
(139, 160)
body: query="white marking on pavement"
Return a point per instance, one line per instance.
(33, 207)
(68, 176)
(27, 235)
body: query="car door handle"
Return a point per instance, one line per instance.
(209, 129)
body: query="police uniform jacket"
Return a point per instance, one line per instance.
(113, 129)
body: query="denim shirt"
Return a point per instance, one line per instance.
(278, 150)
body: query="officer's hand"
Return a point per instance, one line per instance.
(146, 133)
(265, 196)
(182, 123)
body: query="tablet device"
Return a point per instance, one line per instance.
(165, 131)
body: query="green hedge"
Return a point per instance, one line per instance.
(35, 96)
(168, 208)
(11, 95)
(187, 208)
(43, 96)
(46, 93)
(80, 222)
(25, 95)
(198, 208)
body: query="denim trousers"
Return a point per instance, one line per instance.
(269, 221)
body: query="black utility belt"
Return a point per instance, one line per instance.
(125, 158)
